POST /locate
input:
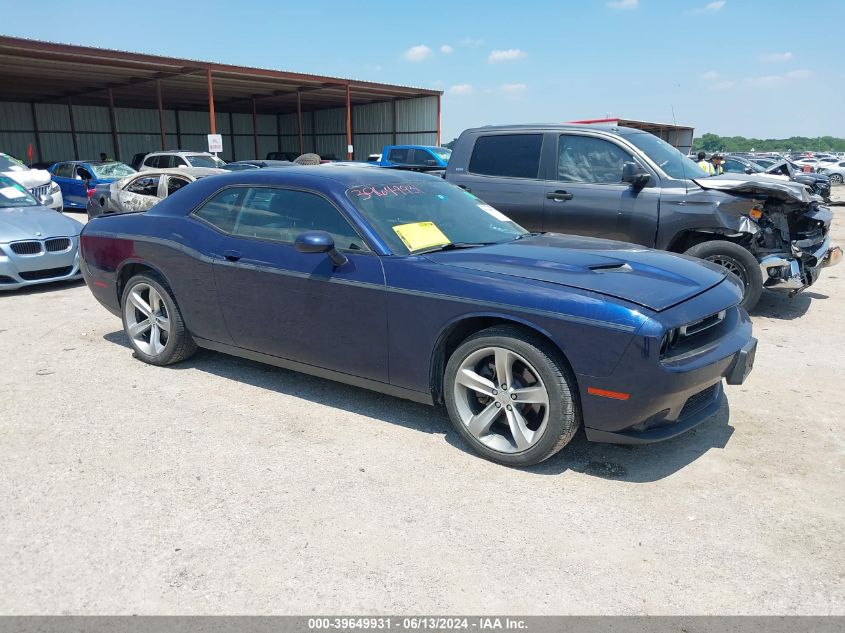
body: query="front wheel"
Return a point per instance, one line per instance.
(836, 179)
(153, 323)
(511, 396)
(736, 260)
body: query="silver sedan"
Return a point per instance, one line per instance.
(140, 192)
(37, 244)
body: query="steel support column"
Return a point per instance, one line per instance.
(161, 115)
(395, 119)
(348, 123)
(255, 129)
(72, 129)
(299, 121)
(211, 119)
(35, 128)
(113, 119)
(438, 120)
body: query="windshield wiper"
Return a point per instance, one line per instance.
(451, 246)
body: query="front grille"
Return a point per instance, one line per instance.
(26, 248)
(57, 244)
(40, 190)
(698, 401)
(48, 273)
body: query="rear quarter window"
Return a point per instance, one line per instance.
(509, 155)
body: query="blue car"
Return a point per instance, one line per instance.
(421, 156)
(402, 283)
(78, 179)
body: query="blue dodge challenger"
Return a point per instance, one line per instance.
(404, 284)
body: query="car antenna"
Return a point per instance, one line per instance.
(683, 162)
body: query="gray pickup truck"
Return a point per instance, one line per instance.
(628, 185)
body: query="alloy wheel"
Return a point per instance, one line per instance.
(501, 399)
(147, 319)
(731, 265)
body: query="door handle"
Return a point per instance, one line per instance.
(559, 196)
(232, 256)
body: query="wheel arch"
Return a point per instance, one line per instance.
(687, 238)
(129, 269)
(461, 328)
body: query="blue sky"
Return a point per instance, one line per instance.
(733, 67)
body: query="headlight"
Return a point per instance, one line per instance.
(54, 187)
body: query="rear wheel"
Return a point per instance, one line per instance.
(510, 396)
(736, 260)
(836, 179)
(153, 323)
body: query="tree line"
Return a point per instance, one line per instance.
(716, 143)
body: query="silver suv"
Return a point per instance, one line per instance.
(179, 158)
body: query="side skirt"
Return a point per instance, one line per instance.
(348, 379)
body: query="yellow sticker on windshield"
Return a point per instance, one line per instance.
(420, 235)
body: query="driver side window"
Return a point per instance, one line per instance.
(590, 160)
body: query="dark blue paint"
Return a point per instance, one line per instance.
(378, 318)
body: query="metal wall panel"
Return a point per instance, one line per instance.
(131, 144)
(416, 115)
(373, 117)
(16, 143)
(267, 144)
(244, 147)
(192, 122)
(266, 123)
(137, 120)
(15, 116)
(56, 146)
(287, 123)
(52, 116)
(416, 139)
(366, 144)
(242, 123)
(330, 121)
(331, 146)
(90, 146)
(91, 118)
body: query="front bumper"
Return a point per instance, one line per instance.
(18, 271)
(661, 397)
(801, 269)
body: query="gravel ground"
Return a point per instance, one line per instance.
(222, 486)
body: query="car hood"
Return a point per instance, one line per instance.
(29, 178)
(26, 223)
(653, 279)
(758, 184)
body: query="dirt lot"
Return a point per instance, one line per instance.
(224, 486)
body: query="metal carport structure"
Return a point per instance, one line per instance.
(680, 136)
(73, 102)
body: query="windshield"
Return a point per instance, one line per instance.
(8, 163)
(428, 214)
(14, 195)
(669, 159)
(442, 152)
(112, 170)
(204, 160)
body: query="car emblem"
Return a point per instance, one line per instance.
(38, 234)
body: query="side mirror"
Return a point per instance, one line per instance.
(635, 175)
(431, 162)
(319, 242)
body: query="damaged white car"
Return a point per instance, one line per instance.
(140, 192)
(38, 182)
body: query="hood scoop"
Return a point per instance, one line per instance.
(624, 267)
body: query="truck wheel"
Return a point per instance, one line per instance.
(737, 261)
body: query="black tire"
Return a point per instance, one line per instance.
(836, 179)
(736, 260)
(564, 415)
(179, 345)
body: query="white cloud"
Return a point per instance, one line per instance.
(714, 6)
(512, 89)
(723, 85)
(460, 89)
(505, 55)
(710, 75)
(772, 58)
(779, 80)
(417, 53)
(446, 49)
(623, 4)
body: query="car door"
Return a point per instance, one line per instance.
(293, 305)
(504, 171)
(63, 175)
(171, 184)
(139, 194)
(733, 166)
(77, 186)
(585, 194)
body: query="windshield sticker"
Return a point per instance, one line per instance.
(365, 193)
(12, 192)
(494, 212)
(420, 235)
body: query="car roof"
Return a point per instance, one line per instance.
(555, 127)
(177, 151)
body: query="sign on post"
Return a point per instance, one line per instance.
(215, 143)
